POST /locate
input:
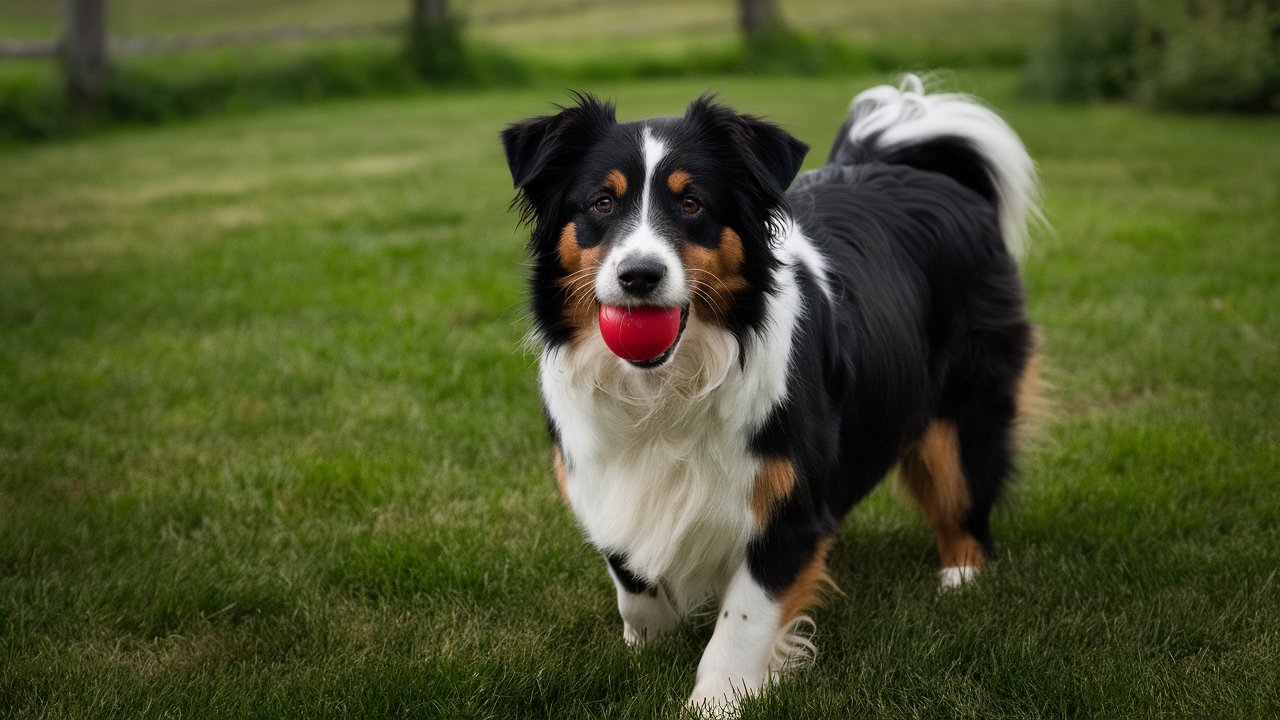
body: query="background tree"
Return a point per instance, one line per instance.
(84, 53)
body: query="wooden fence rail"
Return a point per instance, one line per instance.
(142, 45)
(28, 48)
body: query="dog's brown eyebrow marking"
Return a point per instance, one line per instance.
(678, 181)
(617, 182)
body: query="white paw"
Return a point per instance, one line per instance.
(956, 577)
(720, 696)
(635, 636)
(645, 616)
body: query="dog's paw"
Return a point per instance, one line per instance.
(953, 578)
(637, 635)
(721, 697)
(646, 616)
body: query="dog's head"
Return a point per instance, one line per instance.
(671, 212)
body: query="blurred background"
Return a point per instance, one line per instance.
(76, 62)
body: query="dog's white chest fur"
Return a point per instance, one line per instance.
(657, 467)
(657, 463)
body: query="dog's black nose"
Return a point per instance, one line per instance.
(640, 276)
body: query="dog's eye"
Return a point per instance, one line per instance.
(603, 205)
(690, 205)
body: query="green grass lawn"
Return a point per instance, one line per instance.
(270, 447)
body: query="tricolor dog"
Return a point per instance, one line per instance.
(732, 356)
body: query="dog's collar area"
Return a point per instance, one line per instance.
(664, 357)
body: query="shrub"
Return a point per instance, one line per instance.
(1180, 54)
(1091, 52)
(32, 103)
(785, 51)
(1224, 56)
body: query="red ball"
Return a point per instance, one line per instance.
(639, 333)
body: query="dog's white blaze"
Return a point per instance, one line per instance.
(654, 151)
(656, 460)
(640, 240)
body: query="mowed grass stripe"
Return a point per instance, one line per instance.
(269, 445)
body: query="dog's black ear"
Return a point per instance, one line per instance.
(780, 153)
(550, 145)
(771, 154)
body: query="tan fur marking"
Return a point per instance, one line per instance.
(806, 591)
(715, 275)
(1032, 404)
(562, 476)
(617, 182)
(773, 484)
(932, 473)
(678, 181)
(579, 282)
(570, 253)
(960, 550)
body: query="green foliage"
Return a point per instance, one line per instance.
(32, 103)
(1179, 54)
(1222, 55)
(153, 92)
(781, 50)
(437, 52)
(1090, 53)
(160, 88)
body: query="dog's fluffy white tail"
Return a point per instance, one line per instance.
(948, 133)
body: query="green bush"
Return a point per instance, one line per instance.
(192, 84)
(1226, 56)
(785, 51)
(1182, 54)
(169, 86)
(32, 104)
(1090, 53)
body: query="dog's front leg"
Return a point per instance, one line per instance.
(646, 610)
(736, 663)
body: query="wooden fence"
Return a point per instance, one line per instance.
(85, 45)
(142, 45)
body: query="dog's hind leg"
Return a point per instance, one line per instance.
(646, 610)
(934, 474)
(961, 464)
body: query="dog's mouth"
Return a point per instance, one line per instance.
(645, 336)
(666, 355)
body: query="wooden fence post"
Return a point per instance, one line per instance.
(427, 13)
(435, 41)
(84, 53)
(757, 16)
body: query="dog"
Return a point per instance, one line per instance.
(868, 316)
